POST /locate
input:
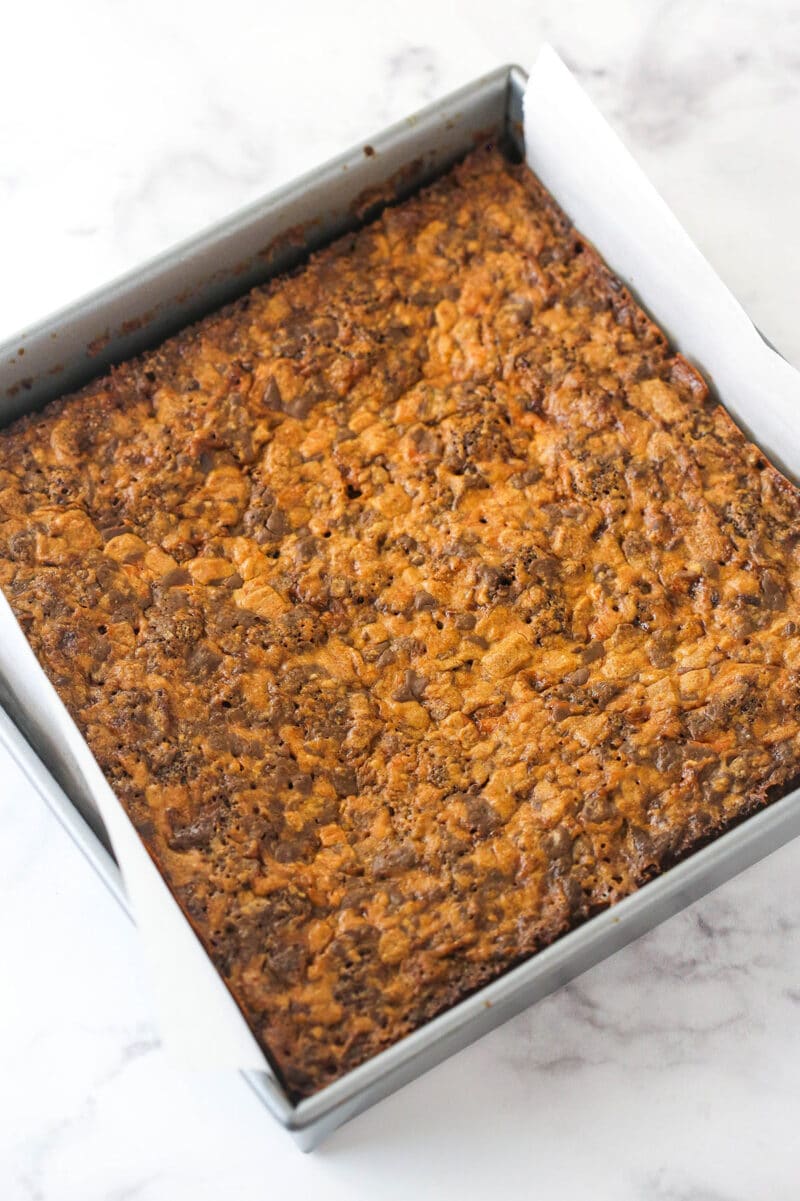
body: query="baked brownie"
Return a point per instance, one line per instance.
(417, 606)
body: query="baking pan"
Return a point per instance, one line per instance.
(148, 305)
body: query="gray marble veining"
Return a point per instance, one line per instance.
(669, 1072)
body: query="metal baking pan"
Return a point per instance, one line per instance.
(184, 284)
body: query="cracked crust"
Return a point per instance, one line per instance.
(416, 606)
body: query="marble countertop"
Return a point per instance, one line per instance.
(669, 1072)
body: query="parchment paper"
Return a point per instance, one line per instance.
(594, 178)
(596, 181)
(199, 1022)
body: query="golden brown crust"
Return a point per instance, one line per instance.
(416, 606)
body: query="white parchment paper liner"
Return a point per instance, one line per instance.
(596, 181)
(593, 177)
(199, 1022)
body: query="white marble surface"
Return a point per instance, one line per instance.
(669, 1072)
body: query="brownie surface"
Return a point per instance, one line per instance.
(416, 606)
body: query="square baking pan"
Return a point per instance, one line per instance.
(155, 301)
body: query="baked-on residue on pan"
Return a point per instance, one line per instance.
(416, 606)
